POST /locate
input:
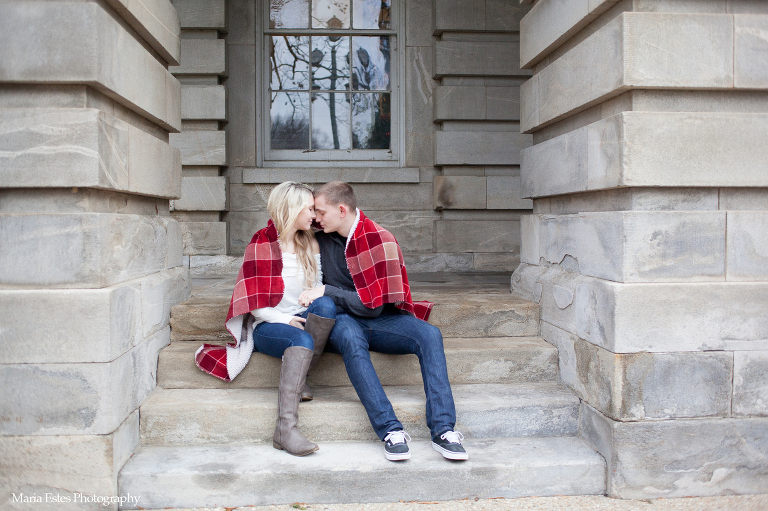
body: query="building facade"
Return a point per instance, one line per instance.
(609, 153)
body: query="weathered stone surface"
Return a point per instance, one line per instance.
(679, 458)
(503, 16)
(89, 250)
(201, 147)
(204, 238)
(156, 21)
(201, 13)
(241, 101)
(418, 22)
(643, 386)
(459, 192)
(667, 50)
(505, 262)
(639, 199)
(413, 229)
(67, 399)
(83, 147)
(249, 197)
(502, 103)
(477, 15)
(65, 465)
(325, 174)
(170, 477)
(657, 317)
(649, 149)
(477, 236)
(750, 64)
(393, 197)
(456, 102)
(494, 360)
(750, 383)
(202, 194)
(419, 99)
(645, 246)
(529, 239)
(476, 58)
(737, 199)
(203, 102)
(204, 266)
(214, 416)
(139, 82)
(92, 325)
(201, 57)
(242, 226)
(505, 192)
(438, 262)
(479, 148)
(747, 245)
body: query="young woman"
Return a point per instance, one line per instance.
(282, 261)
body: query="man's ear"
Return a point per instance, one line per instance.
(343, 210)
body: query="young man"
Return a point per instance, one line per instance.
(364, 274)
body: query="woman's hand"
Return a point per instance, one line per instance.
(298, 322)
(310, 295)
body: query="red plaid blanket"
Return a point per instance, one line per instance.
(376, 263)
(259, 284)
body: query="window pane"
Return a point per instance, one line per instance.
(330, 62)
(330, 13)
(372, 14)
(289, 113)
(370, 57)
(289, 14)
(289, 61)
(330, 121)
(371, 121)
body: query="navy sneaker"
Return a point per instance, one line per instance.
(449, 445)
(396, 446)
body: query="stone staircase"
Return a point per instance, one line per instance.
(207, 443)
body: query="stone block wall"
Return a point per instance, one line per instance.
(202, 72)
(91, 258)
(453, 199)
(646, 250)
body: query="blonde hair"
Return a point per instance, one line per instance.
(284, 205)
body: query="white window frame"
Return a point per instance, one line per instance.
(392, 157)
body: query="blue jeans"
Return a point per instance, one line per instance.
(396, 334)
(274, 338)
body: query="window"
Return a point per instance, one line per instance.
(332, 81)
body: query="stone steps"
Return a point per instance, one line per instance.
(215, 416)
(470, 360)
(469, 313)
(344, 472)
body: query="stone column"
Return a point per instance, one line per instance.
(90, 259)
(647, 249)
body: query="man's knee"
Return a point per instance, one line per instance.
(347, 336)
(324, 307)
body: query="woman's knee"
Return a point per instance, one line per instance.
(323, 307)
(303, 340)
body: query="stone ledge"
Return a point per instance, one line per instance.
(477, 16)
(58, 55)
(679, 458)
(77, 399)
(202, 194)
(697, 53)
(201, 147)
(88, 325)
(632, 246)
(479, 147)
(202, 57)
(156, 21)
(314, 175)
(83, 147)
(202, 14)
(656, 317)
(203, 102)
(645, 386)
(475, 58)
(650, 149)
(550, 23)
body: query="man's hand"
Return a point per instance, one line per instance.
(298, 322)
(310, 295)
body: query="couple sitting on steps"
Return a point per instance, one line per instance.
(347, 286)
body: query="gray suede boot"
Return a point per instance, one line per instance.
(293, 372)
(319, 328)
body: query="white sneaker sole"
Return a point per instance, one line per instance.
(457, 456)
(397, 456)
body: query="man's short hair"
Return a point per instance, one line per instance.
(337, 192)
